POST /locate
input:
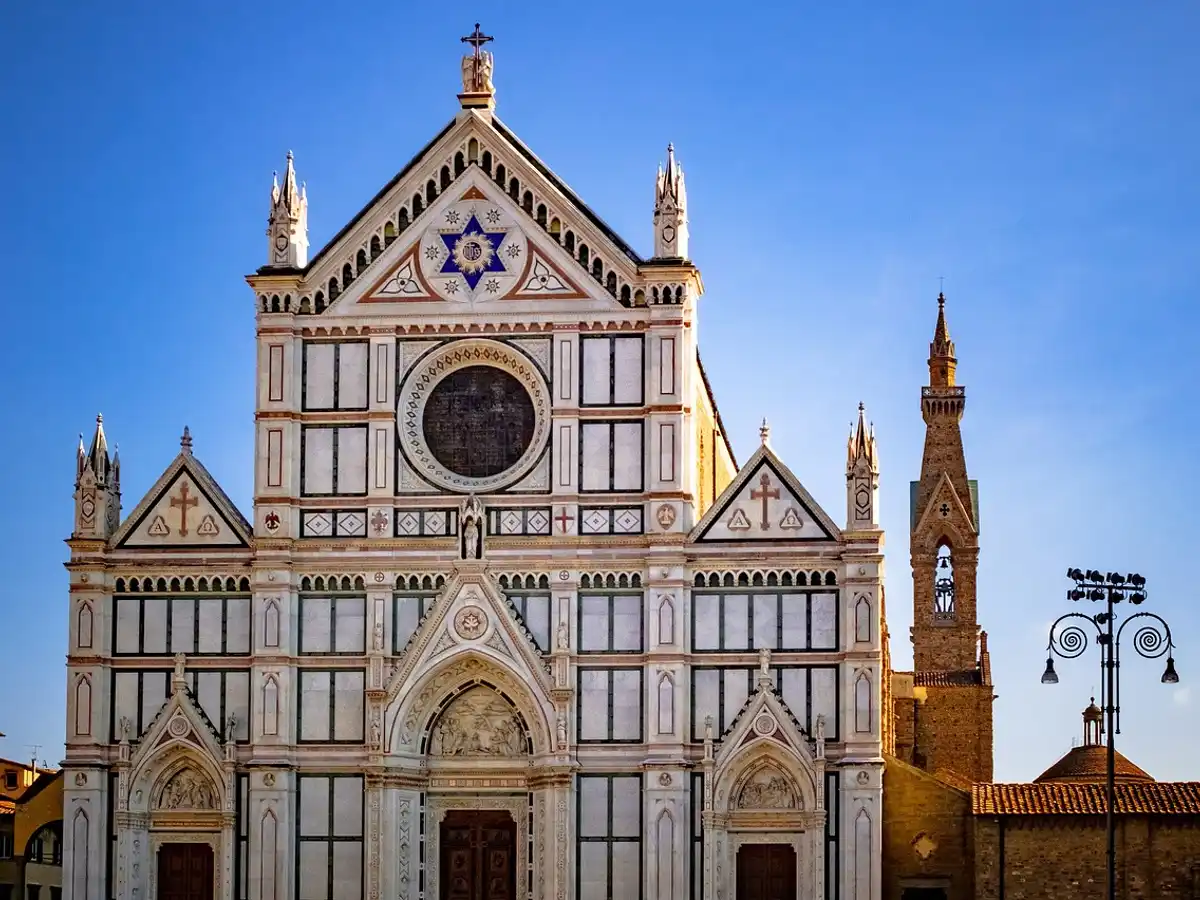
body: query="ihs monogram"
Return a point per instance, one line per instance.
(474, 253)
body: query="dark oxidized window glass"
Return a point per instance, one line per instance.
(478, 421)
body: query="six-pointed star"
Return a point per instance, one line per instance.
(473, 252)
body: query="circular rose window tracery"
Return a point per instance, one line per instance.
(474, 415)
(478, 421)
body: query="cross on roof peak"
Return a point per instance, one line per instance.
(477, 39)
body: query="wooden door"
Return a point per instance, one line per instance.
(185, 872)
(766, 872)
(478, 855)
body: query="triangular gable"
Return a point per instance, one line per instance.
(179, 719)
(443, 169)
(945, 506)
(766, 728)
(473, 246)
(750, 723)
(185, 508)
(471, 614)
(402, 283)
(765, 502)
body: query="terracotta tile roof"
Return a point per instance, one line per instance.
(1090, 763)
(947, 679)
(1172, 798)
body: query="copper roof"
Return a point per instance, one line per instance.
(1177, 798)
(1089, 763)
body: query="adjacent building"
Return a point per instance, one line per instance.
(31, 835)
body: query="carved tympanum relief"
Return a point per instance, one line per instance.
(768, 788)
(187, 789)
(479, 723)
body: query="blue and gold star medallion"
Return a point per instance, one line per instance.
(473, 252)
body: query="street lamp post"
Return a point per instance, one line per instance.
(1152, 639)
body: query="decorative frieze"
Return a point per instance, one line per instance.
(611, 520)
(326, 523)
(519, 522)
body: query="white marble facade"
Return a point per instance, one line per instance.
(435, 609)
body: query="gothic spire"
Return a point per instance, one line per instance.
(287, 223)
(81, 459)
(97, 488)
(861, 445)
(670, 210)
(941, 351)
(97, 455)
(289, 197)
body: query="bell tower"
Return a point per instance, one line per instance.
(951, 667)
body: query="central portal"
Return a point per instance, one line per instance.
(766, 872)
(185, 872)
(478, 850)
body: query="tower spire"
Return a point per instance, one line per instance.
(862, 476)
(287, 223)
(98, 457)
(941, 350)
(670, 210)
(97, 487)
(861, 445)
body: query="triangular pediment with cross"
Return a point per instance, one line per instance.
(765, 502)
(945, 510)
(185, 508)
(474, 247)
(471, 614)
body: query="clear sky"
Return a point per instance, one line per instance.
(840, 159)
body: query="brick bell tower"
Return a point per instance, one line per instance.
(952, 678)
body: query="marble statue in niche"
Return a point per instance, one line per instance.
(560, 729)
(187, 790)
(471, 518)
(479, 723)
(768, 788)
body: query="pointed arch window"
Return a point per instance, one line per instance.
(943, 584)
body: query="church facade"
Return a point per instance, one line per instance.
(506, 619)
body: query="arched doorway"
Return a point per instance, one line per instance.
(478, 839)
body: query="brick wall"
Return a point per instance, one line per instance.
(927, 835)
(1056, 857)
(953, 731)
(902, 718)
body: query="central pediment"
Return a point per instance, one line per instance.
(472, 248)
(532, 240)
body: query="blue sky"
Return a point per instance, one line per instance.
(840, 159)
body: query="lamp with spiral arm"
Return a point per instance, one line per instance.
(1069, 639)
